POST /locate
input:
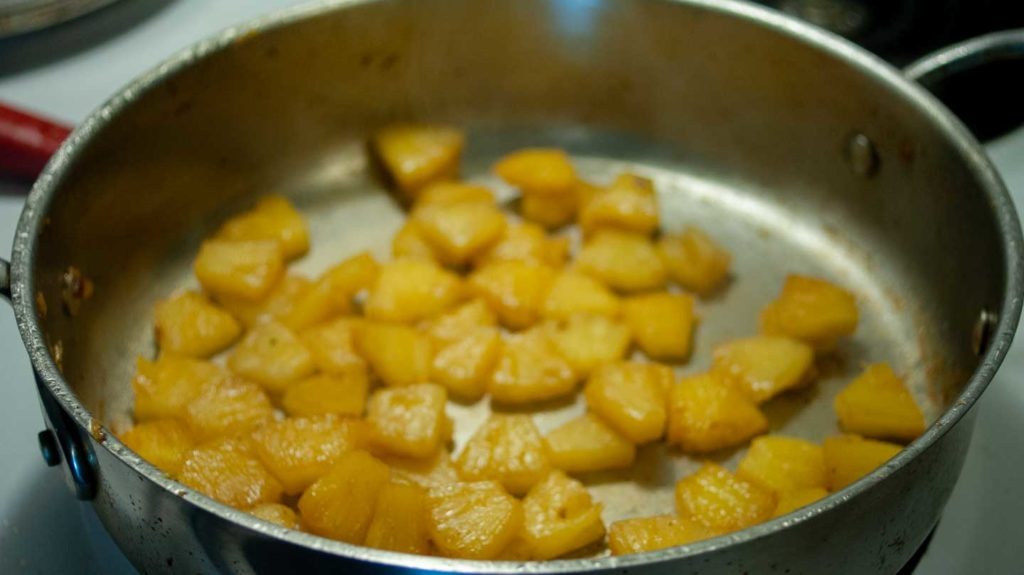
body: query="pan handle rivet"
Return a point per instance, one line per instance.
(981, 336)
(861, 155)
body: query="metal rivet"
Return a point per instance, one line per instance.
(981, 336)
(48, 447)
(861, 155)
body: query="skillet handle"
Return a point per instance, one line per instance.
(27, 142)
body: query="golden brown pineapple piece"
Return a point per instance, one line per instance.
(630, 397)
(473, 520)
(574, 293)
(850, 457)
(588, 444)
(458, 232)
(515, 290)
(162, 442)
(560, 517)
(277, 304)
(464, 367)
(228, 471)
(408, 421)
(412, 290)
(878, 404)
(461, 322)
(782, 464)
(550, 211)
(695, 261)
(298, 451)
(706, 414)
(722, 501)
(588, 341)
(246, 270)
(164, 388)
(399, 355)
(652, 533)
(425, 472)
(529, 369)
(189, 324)
(449, 193)
(400, 520)
(629, 204)
(271, 355)
(326, 394)
(409, 244)
(341, 504)
(538, 171)
(764, 366)
(790, 501)
(812, 310)
(508, 449)
(277, 513)
(332, 346)
(416, 155)
(229, 407)
(272, 218)
(662, 324)
(624, 261)
(525, 242)
(331, 295)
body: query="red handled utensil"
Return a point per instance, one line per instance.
(27, 141)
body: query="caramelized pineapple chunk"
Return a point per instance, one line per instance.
(272, 218)
(331, 295)
(588, 444)
(408, 421)
(271, 355)
(229, 407)
(695, 261)
(721, 500)
(538, 171)
(416, 155)
(588, 341)
(300, 450)
(574, 293)
(327, 394)
(425, 472)
(850, 457)
(790, 501)
(332, 346)
(459, 232)
(508, 449)
(341, 504)
(449, 193)
(877, 404)
(630, 397)
(560, 517)
(464, 367)
(276, 513)
(783, 464)
(764, 366)
(229, 472)
(162, 442)
(412, 290)
(278, 303)
(529, 369)
(409, 244)
(653, 533)
(525, 242)
(246, 270)
(400, 520)
(188, 324)
(662, 324)
(399, 355)
(473, 520)
(550, 211)
(164, 388)
(706, 414)
(629, 204)
(461, 322)
(624, 261)
(514, 290)
(811, 310)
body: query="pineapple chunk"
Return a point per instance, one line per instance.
(409, 244)
(325, 394)
(811, 310)
(508, 449)
(400, 521)
(877, 404)
(331, 295)
(764, 366)
(272, 218)
(408, 421)
(624, 261)
(229, 472)
(653, 533)
(416, 155)
(559, 516)
(525, 242)
(573, 293)
(630, 397)
(529, 368)
(278, 303)
(461, 322)
(514, 290)
(164, 388)
(782, 464)
(538, 171)
(271, 355)
(695, 261)
(790, 501)
(458, 232)
(246, 270)
(587, 444)
(706, 414)
(629, 204)
(162, 442)
(298, 451)
(449, 193)
(550, 211)
(662, 324)
(412, 290)
(333, 348)
(399, 355)
(230, 407)
(188, 324)
(425, 472)
(850, 457)
(341, 504)
(721, 500)
(588, 341)
(472, 520)
(464, 367)
(276, 513)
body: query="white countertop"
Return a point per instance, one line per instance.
(43, 529)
